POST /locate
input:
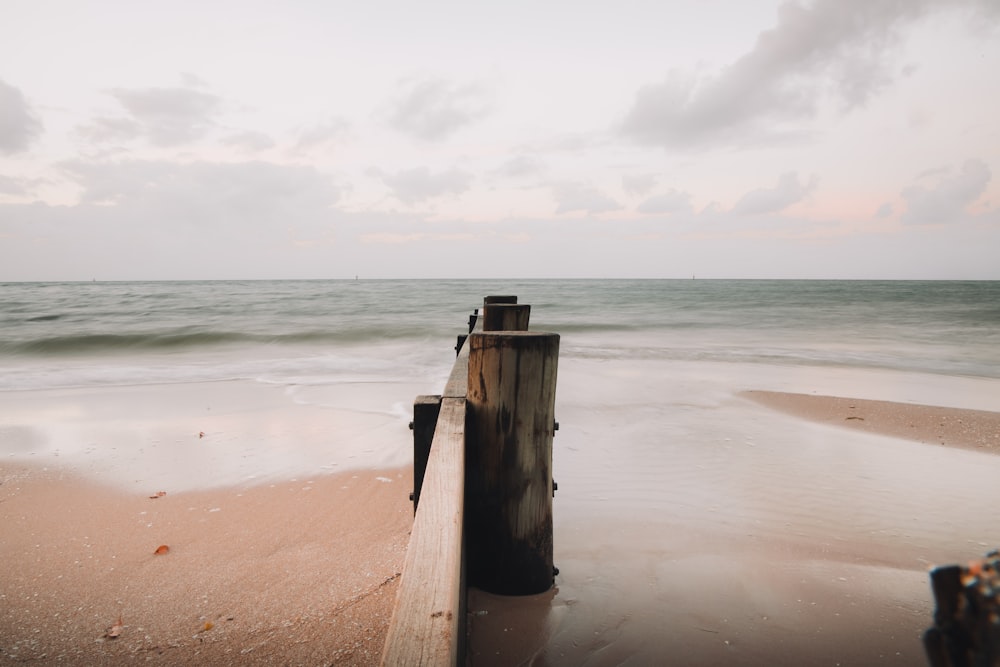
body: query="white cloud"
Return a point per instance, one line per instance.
(11, 186)
(789, 190)
(577, 197)
(521, 165)
(110, 130)
(19, 124)
(435, 109)
(166, 116)
(638, 184)
(945, 200)
(411, 186)
(672, 201)
(833, 48)
(241, 195)
(332, 130)
(249, 141)
(884, 211)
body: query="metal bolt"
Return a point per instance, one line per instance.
(411, 426)
(555, 426)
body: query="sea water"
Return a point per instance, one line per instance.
(291, 332)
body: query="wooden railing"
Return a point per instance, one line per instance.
(494, 475)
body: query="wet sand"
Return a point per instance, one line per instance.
(694, 524)
(729, 532)
(293, 572)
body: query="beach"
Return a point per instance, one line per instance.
(750, 473)
(697, 547)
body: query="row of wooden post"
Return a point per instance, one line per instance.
(510, 427)
(508, 391)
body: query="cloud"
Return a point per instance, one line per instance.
(788, 191)
(672, 201)
(638, 184)
(19, 124)
(166, 116)
(572, 197)
(884, 211)
(11, 186)
(520, 166)
(320, 134)
(411, 186)
(206, 194)
(946, 200)
(110, 130)
(832, 48)
(434, 109)
(250, 141)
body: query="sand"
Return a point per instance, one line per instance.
(697, 526)
(950, 427)
(296, 572)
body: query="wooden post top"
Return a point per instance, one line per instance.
(506, 317)
(499, 299)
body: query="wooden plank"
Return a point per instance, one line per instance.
(425, 626)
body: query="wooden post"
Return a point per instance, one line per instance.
(508, 478)
(506, 317)
(487, 300)
(966, 631)
(425, 416)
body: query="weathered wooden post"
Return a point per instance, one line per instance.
(506, 317)
(509, 429)
(966, 630)
(425, 416)
(499, 298)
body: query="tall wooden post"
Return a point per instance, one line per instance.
(425, 416)
(506, 317)
(509, 430)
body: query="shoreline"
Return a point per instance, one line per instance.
(733, 532)
(834, 535)
(298, 571)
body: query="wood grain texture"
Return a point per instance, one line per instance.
(425, 627)
(511, 404)
(506, 317)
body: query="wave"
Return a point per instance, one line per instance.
(89, 343)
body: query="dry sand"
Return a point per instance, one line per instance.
(296, 572)
(951, 427)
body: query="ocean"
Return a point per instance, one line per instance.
(57, 335)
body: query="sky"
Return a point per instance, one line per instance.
(259, 139)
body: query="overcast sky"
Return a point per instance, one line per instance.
(659, 138)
